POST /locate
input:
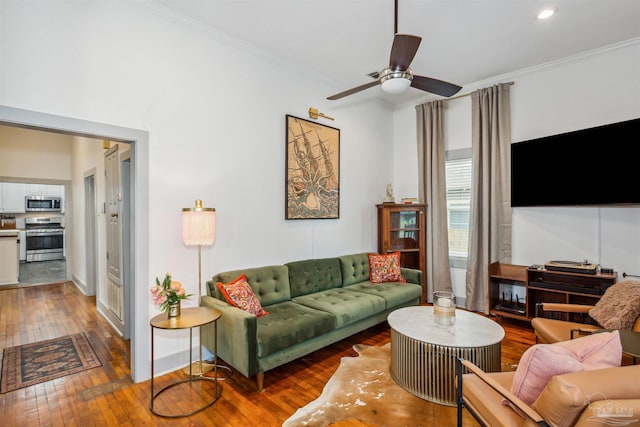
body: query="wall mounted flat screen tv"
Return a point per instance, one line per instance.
(596, 166)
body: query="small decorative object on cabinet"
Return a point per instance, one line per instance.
(401, 228)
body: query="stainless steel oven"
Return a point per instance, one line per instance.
(45, 238)
(42, 204)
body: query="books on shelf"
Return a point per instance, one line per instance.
(409, 200)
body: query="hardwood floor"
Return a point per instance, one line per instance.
(106, 396)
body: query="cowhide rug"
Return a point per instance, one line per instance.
(362, 389)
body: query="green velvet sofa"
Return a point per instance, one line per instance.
(311, 304)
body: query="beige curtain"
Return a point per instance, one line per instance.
(490, 220)
(430, 120)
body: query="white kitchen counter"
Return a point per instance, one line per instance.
(9, 261)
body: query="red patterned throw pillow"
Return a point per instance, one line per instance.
(385, 268)
(239, 294)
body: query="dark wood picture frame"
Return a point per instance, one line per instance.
(312, 178)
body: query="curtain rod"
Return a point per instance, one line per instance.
(511, 83)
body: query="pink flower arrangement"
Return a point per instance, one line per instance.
(168, 292)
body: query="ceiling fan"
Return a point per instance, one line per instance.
(397, 77)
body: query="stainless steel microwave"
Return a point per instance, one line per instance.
(43, 204)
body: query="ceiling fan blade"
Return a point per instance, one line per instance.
(353, 90)
(436, 86)
(403, 51)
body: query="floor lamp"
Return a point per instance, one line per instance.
(198, 229)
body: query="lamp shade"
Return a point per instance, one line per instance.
(198, 225)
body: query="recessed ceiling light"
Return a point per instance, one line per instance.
(546, 13)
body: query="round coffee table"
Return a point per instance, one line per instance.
(424, 354)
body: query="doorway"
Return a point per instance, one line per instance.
(138, 252)
(90, 231)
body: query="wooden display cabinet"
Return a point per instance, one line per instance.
(541, 285)
(401, 228)
(567, 288)
(508, 290)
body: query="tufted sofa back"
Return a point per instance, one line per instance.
(314, 275)
(270, 284)
(355, 268)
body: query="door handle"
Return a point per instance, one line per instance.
(114, 215)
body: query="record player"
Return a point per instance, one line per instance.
(584, 267)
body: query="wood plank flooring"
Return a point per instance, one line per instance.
(106, 396)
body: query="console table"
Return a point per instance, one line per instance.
(190, 318)
(424, 354)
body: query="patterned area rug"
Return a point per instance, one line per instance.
(30, 364)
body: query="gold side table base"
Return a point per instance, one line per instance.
(197, 369)
(216, 395)
(206, 368)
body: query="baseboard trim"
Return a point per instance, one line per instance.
(79, 284)
(110, 317)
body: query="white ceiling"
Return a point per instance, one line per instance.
(463, 41)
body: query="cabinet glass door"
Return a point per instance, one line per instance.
(404, 235)
(404, 230)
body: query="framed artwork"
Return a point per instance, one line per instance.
(313, 170)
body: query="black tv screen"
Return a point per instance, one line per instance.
(596, 166)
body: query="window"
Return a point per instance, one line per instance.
(458, 178)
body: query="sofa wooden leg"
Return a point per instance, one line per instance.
(260, 380)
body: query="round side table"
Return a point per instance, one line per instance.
(190, 318)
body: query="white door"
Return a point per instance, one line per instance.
(115, 281)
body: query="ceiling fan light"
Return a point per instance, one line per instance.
(546, 14)
(395, 81)
(395, 85)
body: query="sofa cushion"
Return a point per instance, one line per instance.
(270, 284)
(385, 268)
(239, 294)
(289, 324)
(543, 361)
(394, 293)
(355, 268)
(314, 275)
(346, 306)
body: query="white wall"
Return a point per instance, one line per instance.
(215, 113)
(577, 93)
(88, 155)
(24, 157)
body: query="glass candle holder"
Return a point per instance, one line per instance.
(444, 308)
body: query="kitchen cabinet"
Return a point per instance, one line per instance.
(12, 194)
(45, 190)
(9, 265)
(12, 197)
(22, 235)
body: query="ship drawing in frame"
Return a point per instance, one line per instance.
(313, 170)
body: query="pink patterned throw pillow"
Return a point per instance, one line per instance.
(385, 268)
(239, 294)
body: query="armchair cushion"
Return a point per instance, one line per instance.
(543, 361)
(619, 307)
(569, 396)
